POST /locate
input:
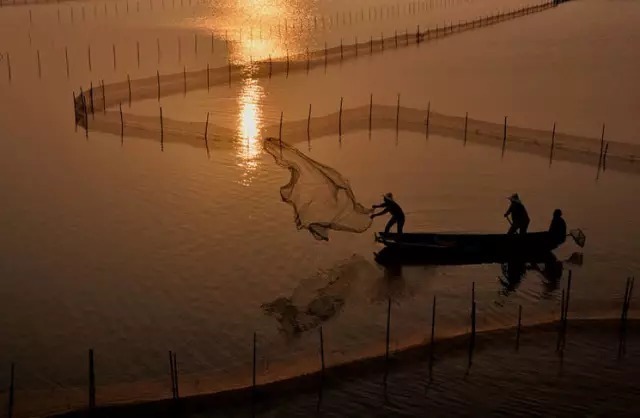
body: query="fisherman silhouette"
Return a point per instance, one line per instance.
(519, 215)
(390, 206)
(558, 229)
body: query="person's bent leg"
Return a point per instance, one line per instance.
(400, 225)
(513, 229)
(391, 222)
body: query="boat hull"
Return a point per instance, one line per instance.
(423, 248)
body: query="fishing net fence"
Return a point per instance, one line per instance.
(313, 341)
(99, 98)
(99, 108)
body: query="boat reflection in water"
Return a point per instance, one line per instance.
(513, 268)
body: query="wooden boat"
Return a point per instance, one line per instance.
(429, 248)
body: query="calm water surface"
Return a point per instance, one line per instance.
(133, 252)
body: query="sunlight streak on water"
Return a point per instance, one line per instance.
(250, 123)
(257, 29)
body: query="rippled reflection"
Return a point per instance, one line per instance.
(260, 28)
(249, 125)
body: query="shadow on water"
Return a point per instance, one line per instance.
(513, 270)
(550, 269)
(320, 297)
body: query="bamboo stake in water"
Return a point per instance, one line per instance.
(138, 52)
(340, 119)
(66, 59)
(208, 84)
(92, 381)
(466, 123)
(158, 78)
(559, 342)
(553, 143)
(253, 382)
(321, 356)
(84, 111)
(604, 156)
(206, 139)
(173, 380)
(9, 66)
(622, 345)
(308, 59)
(89, 57)
(129, 85)
(39, 64)
(386, 354)
(519, 326)
(91, 98)
(325, 56)
(504, 136)
(184, 78)
(370, 111)
(309, 123)
(432, 342)
(104, 98)
(566, 310)
(114, 57)
(161, 131)
(12, 389)
(472, 340)
(121, 125)
(601, 147)
(398, 115)
(280, 132)
(175, 375)
(428, 118)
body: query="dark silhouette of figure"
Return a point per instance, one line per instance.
(558, 229)
(519, 216)
(390, 206)
(513, 272)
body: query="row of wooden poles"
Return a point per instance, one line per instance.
(348, 17)
(560, 347)
(418, 37)
(86, 109)
(319, 21)
(435, 33)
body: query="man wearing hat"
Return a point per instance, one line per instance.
(519, 215)
(390, 206)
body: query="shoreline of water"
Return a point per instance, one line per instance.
(366, 367)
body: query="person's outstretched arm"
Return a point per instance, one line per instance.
(373, 215)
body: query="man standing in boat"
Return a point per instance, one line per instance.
(390, 206)
(519, 216)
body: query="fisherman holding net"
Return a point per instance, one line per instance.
(519, 216)
(392, 207)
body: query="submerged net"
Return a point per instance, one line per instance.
(322, 296)
(321, 197)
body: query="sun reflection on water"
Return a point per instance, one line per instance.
(250, 123)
